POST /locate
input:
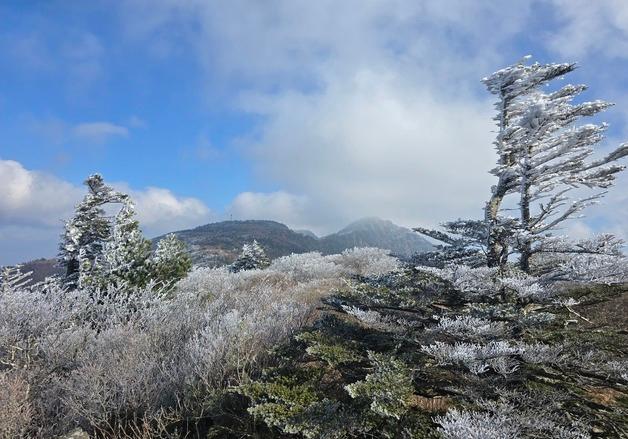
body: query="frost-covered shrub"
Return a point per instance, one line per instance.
(476, 282)
(539, 353)
(460, 424)
(495, 355)
(475, 357)
(366, 316)
(366, 261)
(616, 368)
(122, 359)
(595, 260)
(471, 281)
(503, 420)
(469, 327)
(307, 266)
(15, 407)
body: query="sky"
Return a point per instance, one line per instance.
(311, 113)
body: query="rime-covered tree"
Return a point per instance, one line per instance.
(510, 85)
(12, 278)
(252, 257)
(543, 156)
(126, 254)
(171, 261)
(87, 232)
(100, 251)
(463, 242)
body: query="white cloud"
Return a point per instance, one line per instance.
(160, 211)
(33, 205)
(57, 131)
(591, 27)
(34, 198)
(373, 106)
(98, 132)
(373, 144)
(277, 206)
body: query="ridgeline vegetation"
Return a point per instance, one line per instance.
(507, 329)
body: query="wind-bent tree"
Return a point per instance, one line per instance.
(85, 234)
(543, 156)
(99, 251)
(510, 85)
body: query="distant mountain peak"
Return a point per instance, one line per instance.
(219, 243)
(242, 223)
(306, 232)
(368, 223)
(376, 232)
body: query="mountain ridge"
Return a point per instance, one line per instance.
(219, 243)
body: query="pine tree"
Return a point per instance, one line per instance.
(125, 256)
(85, 234)
(98, 251)
(510, 84)
(542, 156)
(252, 257)
(171, 262)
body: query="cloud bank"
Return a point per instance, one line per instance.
(364, 107)
(367, 107)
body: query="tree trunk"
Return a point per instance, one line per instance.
(497, 248)
(525, 247)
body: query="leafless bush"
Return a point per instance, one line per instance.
(129, 362)
(15, 408)
(307, 266)
(366, 261)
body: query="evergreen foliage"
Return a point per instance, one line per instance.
(543, 157)
(99, 251)
(87, 232)
(411, 354)
(126, 254)
(253, 257)
(171, 261)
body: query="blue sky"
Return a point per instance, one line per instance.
(309, 113)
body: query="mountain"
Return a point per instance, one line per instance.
(306, 233)
(220, 243)
(41, 269)
(375, 232)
